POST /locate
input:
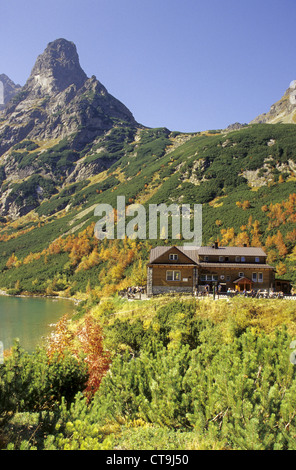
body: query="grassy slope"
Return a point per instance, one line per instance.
(150, 168)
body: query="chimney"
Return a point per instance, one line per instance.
(216, 246)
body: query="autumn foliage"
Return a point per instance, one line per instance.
(86, 344)
(97, 358)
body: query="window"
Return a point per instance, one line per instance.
(209, 277)
(221, 259)
(237, 259)
(260, 277)
(240, 274)
(173, 275)
(173, 257)
(206, 258)
(169, 275)
(254, 277)
(257, 259)
(227, 278)
(243, 259)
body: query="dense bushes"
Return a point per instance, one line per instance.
(199, 375)
(30, 382)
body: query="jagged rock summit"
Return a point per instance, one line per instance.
(56, 69)
(59, 100)
(283, 111)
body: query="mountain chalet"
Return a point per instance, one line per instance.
(194, 269)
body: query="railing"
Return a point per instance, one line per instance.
(255, 295)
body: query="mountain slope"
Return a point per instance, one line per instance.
(67, 145)
(245, 184)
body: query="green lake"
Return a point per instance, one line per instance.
(30, 319)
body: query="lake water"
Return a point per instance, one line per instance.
(29, 319)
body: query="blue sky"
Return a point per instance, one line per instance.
(187, 65)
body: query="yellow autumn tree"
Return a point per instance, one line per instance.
(139, 274)
(94, 258)
(242, 239)
(228, 236)
(12, 261)
(281, 268)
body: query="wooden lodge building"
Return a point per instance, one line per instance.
(191, 269)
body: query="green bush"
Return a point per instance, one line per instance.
(32, 382)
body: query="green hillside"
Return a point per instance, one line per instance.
(244, 179)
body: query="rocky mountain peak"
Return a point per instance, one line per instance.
(56, 69)
(59, 100)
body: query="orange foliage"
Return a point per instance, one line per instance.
(97, 359)
(12, 261)
(89, 347)
(5, 237)
(282, 212)
(61, 340)
(281, 269)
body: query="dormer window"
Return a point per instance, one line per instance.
(173, 257)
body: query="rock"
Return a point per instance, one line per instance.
(8, 89)
(55, 70)
(59, 100)
(283, 111)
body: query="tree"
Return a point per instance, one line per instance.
(280, 244)
(97, 359)
(12, 261)
(281, 268)
(246, 205)
(62, 338)
(228, 236)
(242, 239)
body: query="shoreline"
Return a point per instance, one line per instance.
(31, 296)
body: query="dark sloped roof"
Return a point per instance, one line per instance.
(157, 252)
(160, 250)
(194, 252)
(231, 250)
(236, 265)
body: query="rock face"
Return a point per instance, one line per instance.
(283, 111)
(59, 99)
(48, 126)
(8, 89)
(55, 70)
